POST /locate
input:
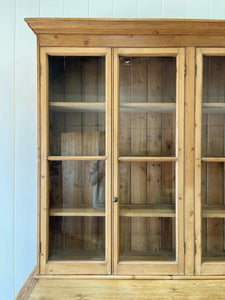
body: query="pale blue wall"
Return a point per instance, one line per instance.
(18, 128)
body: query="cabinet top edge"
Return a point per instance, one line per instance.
(126, 26)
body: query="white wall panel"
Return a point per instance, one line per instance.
(7, 149)
(150, 9)
(174, 8)
(25, 143)
(125, 8)
(198, 9)
(98, 9)
(51, 8)
(218, 9)
(18, 130)
(76, 8)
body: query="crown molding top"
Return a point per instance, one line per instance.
(126, 26)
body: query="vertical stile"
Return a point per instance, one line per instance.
(198, 153)
(124, 150)
(39, 156)
(205, 99)
(115, 158)
(180, 154)
(108, 100)
(44, 163)
(189, 159)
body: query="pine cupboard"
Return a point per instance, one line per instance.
(131, 147)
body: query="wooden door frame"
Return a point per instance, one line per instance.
(158, 268)
(70, 267)
(214, 267)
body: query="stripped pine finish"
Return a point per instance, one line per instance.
(145, 235)
(50, 289)
(211, 82)
(157, 216)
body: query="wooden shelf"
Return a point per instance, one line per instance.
(147, 256)
(147, 211)
(213, 212)
(213, 107)
(76, 212)
(213, 159)
(219, 258)
(148, 107)
(77, 106)
(100, 107)
(76, 256)
(147, 158)
(70, 158)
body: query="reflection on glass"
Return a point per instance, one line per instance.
(213, 239)
(147, 239)
(77, 133)
(213, 79)
(147, 183)
(76, 79)
(77, 238)
(77, 184)
(147, 134)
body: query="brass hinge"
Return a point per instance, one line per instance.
(185, 67)
(195, 71)
(195, 248)
(40, 247)
(184, 248)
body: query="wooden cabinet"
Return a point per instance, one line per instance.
(131, 147)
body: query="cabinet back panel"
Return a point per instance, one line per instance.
(72, 238)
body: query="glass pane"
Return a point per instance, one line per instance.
(76, 105)
(77, 238)
(213, 79)
(147, 79)
(147, 134)
(76, 79)
(213, 184)
(77, 184)
(147, 106)
(213, 239)
(77, 133)
(147, 239)
(147, 183)
(213, 132)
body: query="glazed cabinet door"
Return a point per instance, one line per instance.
(148, 158)
(209, 163)
(75, 209)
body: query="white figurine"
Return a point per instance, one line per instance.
(96, 177)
